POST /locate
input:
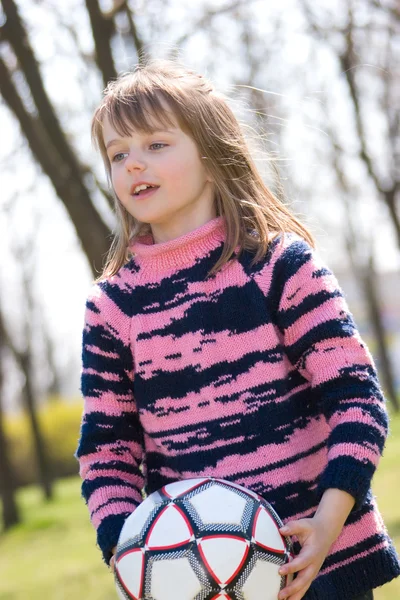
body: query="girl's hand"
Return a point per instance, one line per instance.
(315, 539)
(112, 560)
(316, 536)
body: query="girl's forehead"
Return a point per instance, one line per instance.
(153, 124)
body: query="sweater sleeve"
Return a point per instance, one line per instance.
(110, 448)
(322, 341)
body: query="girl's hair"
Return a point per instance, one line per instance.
(253, 214)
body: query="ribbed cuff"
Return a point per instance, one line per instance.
(347, 474)
(108, 534)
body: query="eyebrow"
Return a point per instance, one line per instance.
(117, 140)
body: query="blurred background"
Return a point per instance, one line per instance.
(320, 81)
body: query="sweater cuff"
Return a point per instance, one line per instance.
(108, 533)
(347, 474)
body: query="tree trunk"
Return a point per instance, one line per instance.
(49, 143)
(23, 360)
(103, 29)
(8, 486)
(38, 443)
(11, 514)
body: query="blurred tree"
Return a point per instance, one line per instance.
(10, 512)
(47, 140)
(24, 360)
(350, 51)
(24, 354)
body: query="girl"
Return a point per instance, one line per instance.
(218, 343)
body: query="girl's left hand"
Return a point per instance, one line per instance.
(112, 560)
(315, 542)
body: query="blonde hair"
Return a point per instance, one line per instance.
(252, 212)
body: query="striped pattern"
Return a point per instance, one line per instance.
(257, 375)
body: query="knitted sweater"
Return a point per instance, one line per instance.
(257, 375)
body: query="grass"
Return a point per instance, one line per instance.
(52, 554)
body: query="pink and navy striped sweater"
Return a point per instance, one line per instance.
(257, 375)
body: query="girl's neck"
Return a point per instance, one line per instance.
(181, 251)
(184, 224)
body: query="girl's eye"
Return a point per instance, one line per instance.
(115, 157)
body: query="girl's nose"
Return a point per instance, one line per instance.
(134, 161)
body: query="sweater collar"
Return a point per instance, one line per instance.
(181, 251)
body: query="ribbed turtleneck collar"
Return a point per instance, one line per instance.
(181, 251)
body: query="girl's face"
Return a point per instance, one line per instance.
(170, 160)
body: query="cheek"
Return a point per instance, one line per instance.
(187, 172)
(114, 177)
(117, 182)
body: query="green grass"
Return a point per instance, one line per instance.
(52, 554)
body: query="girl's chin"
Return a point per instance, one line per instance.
(149, 218)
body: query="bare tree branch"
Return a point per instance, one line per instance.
(123, 6)
(348, 62)
(137, 40)
(118, 6)
(393, 11)
(204, 21)
(103, 29)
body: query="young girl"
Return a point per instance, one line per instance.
(217, 343)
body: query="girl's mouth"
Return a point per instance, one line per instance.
(145, 193)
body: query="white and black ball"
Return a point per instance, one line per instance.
(201, 539)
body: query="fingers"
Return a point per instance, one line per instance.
(305, 564)
(112, 559)
(301, 561)
(299, 595)
(308, 562)
(112, 565)
(296, 527)
(299, 586)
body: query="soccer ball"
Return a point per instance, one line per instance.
(201, 539)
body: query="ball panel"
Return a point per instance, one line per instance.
(121, 593)
(272, 512)
(242, 489)
(262, 571)
(166, 573)
(138, 520)
(130, 572)
(179, 488)
(224, 556)
(218, 504)
(266, 533)
(287, 541)
(207, 586)
(170, 529)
